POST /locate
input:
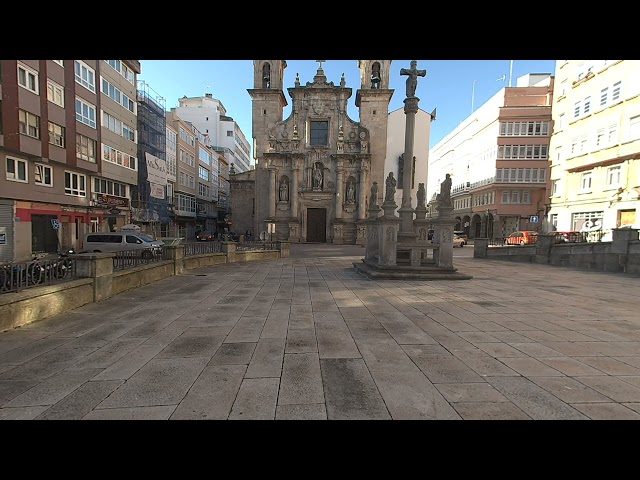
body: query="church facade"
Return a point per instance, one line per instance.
(314, 170)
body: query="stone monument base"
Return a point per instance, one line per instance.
(372, 270)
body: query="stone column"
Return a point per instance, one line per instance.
(99, 267)
(339, 191)
(480, 246)
(362, 194)
(284, 248)
(272, 193)
(176, 253)
(543, 248)
(229, 248)
(293, 195)
(443, 235)
(405, 211)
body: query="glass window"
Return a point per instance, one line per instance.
(318, 133)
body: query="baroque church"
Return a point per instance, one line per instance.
(314, 170)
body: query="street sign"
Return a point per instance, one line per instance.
(55, 223)
(533, 218)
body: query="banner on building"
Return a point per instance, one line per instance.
(157, 191)
(156, 170)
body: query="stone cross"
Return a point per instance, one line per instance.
(320, 62)
(412, 80)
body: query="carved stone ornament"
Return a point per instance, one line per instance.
(318, 107)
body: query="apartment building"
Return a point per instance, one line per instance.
(193, 204)
(498, 161)
(210, 117)
(149, 203)
(68, 147)
(395, 161)
(595, 147)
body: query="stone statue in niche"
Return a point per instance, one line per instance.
(351, 192)
(284, 191)
(317, 176)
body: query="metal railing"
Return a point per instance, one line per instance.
(15, 277)
(132, 258)
(257, 245)
(202, 248)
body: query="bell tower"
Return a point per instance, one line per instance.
(268, 102)
(374, 74)
(373, 99)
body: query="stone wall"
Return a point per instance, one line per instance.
(620, 255)
(99, 281)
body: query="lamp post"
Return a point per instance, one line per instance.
(486, 223)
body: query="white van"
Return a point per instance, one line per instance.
(119, 241)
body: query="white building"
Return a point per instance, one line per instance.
(396, 127)
(595, 147)
(498, 161)
(209, 116)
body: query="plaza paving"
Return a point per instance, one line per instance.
(307, 337)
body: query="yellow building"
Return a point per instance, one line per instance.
(595, 145)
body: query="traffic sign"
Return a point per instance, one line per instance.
(55, 223)
(533, 218)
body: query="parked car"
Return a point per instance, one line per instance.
(458, 241)
(206, 236)
(121, 241)
(522, 237)
(461, 234)
(572, 236)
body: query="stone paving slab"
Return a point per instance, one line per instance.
(308, 338)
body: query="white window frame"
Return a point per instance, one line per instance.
(81, 117)
(555, 188)
(28, 125)
(586, 180)
(40, 177)
(76, 191)
(633, 130)
(13, 176)
(110, 187)
(80, 148)
(55, 93)
(29, 73)
(614, 176)
(85, 75)
(59, 62)
(58, 138)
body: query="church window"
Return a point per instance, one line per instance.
(318, 133)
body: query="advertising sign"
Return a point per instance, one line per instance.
(156, 169)
(157, 191)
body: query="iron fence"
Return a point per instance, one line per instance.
(257, 245)
(132, 258)
(202, 248)
(15, 277)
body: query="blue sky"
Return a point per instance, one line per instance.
(447, 87)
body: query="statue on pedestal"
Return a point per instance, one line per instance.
(390, 190)
(444, 197)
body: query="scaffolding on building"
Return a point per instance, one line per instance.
(148, 209)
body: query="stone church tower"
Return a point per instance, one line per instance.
(314, 170)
